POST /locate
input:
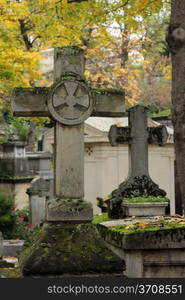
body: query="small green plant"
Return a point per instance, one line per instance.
(7, 215)
(145, 199)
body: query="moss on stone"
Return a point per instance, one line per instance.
(100, 218)
(108, 91)
(150, 199)
(69, 76)
(141, 226)
(68, 248)
(32, 90)
(69, 50)
(14, 273)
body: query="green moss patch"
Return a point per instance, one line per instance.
(142, 226)
(163, 113)
(69, 50)
(107, 91)
(100, 218)
(68, 248)
(146, 199)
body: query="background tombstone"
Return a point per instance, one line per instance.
(41, 188)
(138, 136)
(65, 246)
(40, 163)
(14, 173)
(40, 191)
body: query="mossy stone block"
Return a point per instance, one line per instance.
(68, 249)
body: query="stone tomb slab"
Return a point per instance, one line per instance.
(150, 254)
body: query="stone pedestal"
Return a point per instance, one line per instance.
(70, 249)
(152, 254)
(144, 209)
(69, 210)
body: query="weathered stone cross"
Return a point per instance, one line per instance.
(138, 136)
(69, 101)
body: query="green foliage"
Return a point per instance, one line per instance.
(7, 216)
(162, 113)
(19, 127)
(145, 199)
(23, 229)
(100, 218)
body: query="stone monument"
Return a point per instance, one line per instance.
(138, 136)
(68, 243)
(14, 173)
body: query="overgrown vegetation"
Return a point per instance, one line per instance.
(100, 218)
(143, 226)
(7, 215)
(23, 229)
(145, 199)
(14, 223)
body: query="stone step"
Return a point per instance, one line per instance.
(12, 247)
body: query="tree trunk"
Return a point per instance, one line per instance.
(176, 42)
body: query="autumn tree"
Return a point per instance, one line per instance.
(29, 26)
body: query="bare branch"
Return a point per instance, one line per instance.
(5, 98)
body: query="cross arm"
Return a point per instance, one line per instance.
(108, 102)
(158, 135)
(29, 102)
(118, 135)
(121, 135)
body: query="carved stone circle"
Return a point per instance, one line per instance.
(69, 102)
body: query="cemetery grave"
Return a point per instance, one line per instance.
(150, 246)
(68, 243)
(138, 182)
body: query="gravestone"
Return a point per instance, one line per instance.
(138, 136)
(14, 173)
(40, 162)
(40, 190)
(13, 161)
(68, 242)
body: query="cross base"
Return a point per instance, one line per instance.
(138, 186)
(71, 210)
(74, 249)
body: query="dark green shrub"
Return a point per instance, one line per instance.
(7, 215)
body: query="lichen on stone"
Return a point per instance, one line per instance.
(32, 90)
(69, 50)
(70, 76)
(108, 91)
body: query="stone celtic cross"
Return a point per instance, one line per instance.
(69, 101)
(137, 135)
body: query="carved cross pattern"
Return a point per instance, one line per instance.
(70, 100)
